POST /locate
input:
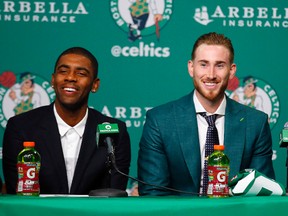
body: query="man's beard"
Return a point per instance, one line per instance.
(213, 95)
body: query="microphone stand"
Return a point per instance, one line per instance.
(109, 192)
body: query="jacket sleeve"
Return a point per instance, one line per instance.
(12, 145)
(152, 162)
(262, 153)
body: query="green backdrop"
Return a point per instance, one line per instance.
(140, 72)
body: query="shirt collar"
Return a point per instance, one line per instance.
(199, 108)
(64, 127)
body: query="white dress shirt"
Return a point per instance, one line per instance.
(71, 139)
(203, 126)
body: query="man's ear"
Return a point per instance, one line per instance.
(233, 69)
(96, 85)
(190, 66)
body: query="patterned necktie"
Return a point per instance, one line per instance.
(211, 140)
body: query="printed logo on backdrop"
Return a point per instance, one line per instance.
(139, 19)
(244, 16)
(22, 92)
(41, 11)
(133, 116)
(255, 93)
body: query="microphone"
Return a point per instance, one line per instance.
(106, 135)
(284, 136)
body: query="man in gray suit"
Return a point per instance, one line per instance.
(173, 141)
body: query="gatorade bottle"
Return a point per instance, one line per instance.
(218, 172)
(28, 167)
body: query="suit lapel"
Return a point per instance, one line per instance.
(52, 145)
(234, 137)
(87, 150)
(186, 126)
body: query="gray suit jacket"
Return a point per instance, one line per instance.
(169, 153)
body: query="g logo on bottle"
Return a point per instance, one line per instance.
(221, 176)
(31, 173)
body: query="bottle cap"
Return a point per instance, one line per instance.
(28, 144)
(219, 147)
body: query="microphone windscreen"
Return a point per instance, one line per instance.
(106, 130)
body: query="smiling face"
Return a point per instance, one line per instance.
(73, 80)
(211, 69)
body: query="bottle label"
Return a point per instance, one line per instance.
(218, 181)
(28, 178)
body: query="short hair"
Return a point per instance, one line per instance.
(83, 52)
(214, 38)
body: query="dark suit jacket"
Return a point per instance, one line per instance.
(169, 152)
(40, 125)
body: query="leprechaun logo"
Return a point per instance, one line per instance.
(141, 17)
(22, 92)
(255, 93)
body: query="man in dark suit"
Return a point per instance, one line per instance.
(173, 141)
(68, 167)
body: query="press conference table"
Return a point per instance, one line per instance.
(160, 206)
